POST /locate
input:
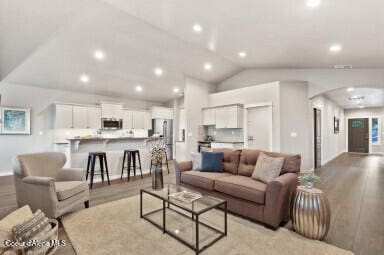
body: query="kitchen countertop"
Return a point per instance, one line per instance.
(219, 142)
(105, 138)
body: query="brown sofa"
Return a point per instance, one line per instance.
(266, 203)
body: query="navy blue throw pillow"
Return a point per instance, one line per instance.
(211, 161)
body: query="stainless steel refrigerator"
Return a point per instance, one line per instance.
(164, 129)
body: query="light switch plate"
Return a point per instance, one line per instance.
(293, 134)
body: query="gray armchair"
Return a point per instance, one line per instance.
(42, 183)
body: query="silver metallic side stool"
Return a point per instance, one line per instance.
(310, 213)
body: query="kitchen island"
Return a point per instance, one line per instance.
(78, 148)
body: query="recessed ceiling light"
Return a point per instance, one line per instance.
(98, 54)
(335, 48)
(361, 106)
(197, 28)
(176, 90)
(158, 71)
(313, 3)
(84, 78)
(139, 88)
(242, 54)
(350, 89)
(208, 66)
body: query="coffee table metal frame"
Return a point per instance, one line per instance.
(194, 217)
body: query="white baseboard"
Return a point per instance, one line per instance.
(332, 158)
(6, 174)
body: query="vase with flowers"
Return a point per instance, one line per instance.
(156, 148)
(308, 180)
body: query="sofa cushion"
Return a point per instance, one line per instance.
(68, 189)
(211, 161)
(196, 161)
(242, 187)
(231, 159)
(267, 168)
(248, 159)
(204, 180)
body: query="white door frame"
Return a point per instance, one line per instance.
(270, 122)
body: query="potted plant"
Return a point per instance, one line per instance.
(308, 179)
(156, 148)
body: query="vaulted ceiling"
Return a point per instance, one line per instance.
(50, 43)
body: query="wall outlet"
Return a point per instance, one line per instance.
(293, 134)
(189, 134)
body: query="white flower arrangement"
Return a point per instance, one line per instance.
(156, 148)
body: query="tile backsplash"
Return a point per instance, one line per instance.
(226, 135)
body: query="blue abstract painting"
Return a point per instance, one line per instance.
(16, 121)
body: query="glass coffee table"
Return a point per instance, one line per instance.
(185, 221)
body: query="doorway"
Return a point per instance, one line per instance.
(317, 136)
(258, 131)
(358, 135)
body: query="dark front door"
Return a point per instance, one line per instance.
(317, 141)
(358, 135)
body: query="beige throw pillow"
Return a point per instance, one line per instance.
(267, 168)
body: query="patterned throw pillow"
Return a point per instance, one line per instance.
(267, 168)
(33, 229)
(196, 161)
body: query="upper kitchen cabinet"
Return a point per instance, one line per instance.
(161, 112)
(63, 116)
(127, 119)
(79, 117)
(209, 116)
(137, 120)
(229, 116)
(94, 117)
(147, 120)
(111, 110)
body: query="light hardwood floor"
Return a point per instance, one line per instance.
(354, 185)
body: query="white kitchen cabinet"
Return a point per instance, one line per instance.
(209, 116)
(79, 117)
(229, 117)
(94, 117)
(127, 119)
(112, 110)
(137, 120)
(147, 120)
(161, 112)
(63, 116)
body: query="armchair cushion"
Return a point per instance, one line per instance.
(67, 189)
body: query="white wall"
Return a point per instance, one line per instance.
(268, 92)
(196, 94)
(40, 101)
(319, 80)
(295, 118)
(370, 113)
(332, 144)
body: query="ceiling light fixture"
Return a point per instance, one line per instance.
(313, 3)
(242, 54)
(335, 48)
(99, 55)
(176, 90)
(139, 88)
(84, 78)
(361, 106)
(197, 28)
(158, 71)
(351, 89)
(208, 66)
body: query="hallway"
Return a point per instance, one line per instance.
(354, 185)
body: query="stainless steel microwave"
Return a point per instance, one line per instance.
(111, 124)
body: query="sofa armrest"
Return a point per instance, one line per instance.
(181, 167)
(71, 174)
(278, 199)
